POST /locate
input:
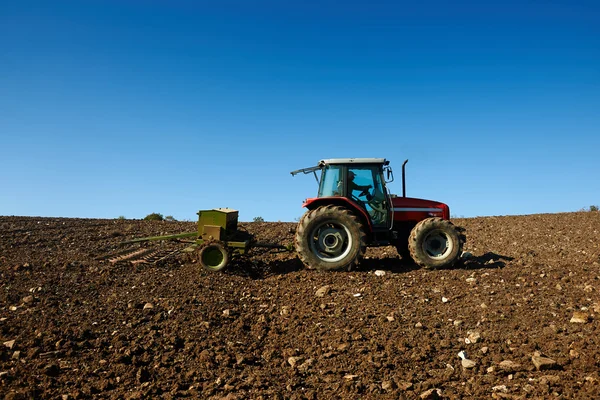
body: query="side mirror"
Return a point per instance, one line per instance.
(390, 175)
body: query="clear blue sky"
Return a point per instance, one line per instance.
(111, 108)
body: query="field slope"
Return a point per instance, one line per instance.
(525, 310)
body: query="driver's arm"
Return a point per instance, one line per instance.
(363, 188)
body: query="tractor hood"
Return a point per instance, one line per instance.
(427, 208)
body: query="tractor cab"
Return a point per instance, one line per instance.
(356, 183)
(360, 181)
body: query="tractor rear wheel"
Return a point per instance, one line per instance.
(214, 257)
(330, 238)
(434, 243)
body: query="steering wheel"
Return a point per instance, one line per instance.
(377, 206)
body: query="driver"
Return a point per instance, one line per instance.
(354, 187)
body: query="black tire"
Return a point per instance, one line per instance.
(330, 238)
(214, 257)
(435, 243)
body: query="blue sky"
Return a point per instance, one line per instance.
(124, 108)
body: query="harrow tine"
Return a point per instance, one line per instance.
(131, 255)
(155, 256)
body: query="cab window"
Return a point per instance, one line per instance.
(330, 181)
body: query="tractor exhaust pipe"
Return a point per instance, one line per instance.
(404, 178)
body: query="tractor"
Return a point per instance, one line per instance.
(354, 210)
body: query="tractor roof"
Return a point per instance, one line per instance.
(354, 161)
(340, 161)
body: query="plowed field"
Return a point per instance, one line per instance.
(524, 310)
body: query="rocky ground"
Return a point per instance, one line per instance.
(523, 313)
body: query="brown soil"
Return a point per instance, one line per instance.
(74, 327)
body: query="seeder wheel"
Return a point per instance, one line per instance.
(214, 257)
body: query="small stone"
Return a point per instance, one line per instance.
(418, 325)
(350, 377)
(528, 388)
(294, 360)
(306, 365)
(3, 374)
(343, 347)
(390, 318)
(490, 370)
(509, 366)
(431, 394)
(148, 306)
(387, 385)
(483, 305)
(404, 385)
(28, 299)
(10, 344)
(549, 379)
(457, 322)
(462, 355)
(16, 355)
(579, 318)
(473, 336)
(471, 280)
(322, 291)
(227, 312)
(468, 364)
(444, 300)
(484, 349)
(379, 272)
(542, 362)
(500, 388)
(573, 353)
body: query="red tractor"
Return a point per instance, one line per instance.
(353, 210)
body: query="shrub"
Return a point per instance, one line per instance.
(593, 208)
(170, 218)
(121, 217)
(258, 219)
(154, 217)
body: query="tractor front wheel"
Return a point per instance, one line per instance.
(330, 238)
(434, 243)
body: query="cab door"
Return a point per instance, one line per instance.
(375, 199)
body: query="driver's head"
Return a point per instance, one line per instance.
(351, 175)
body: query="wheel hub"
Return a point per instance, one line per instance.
(331, 241)
(436, 245)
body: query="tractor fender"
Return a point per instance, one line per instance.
(360, 212)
